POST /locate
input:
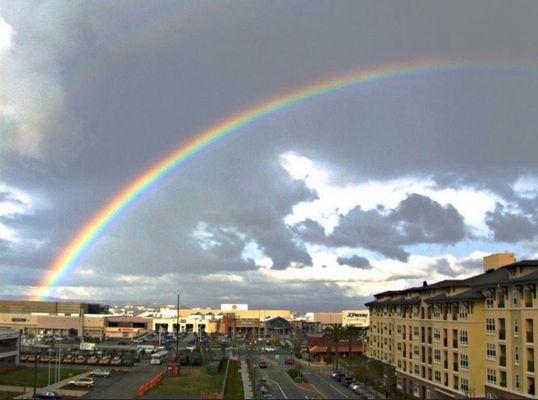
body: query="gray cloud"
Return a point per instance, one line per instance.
(135, 81)
(417, 219)
(355, 261)
(510, 226)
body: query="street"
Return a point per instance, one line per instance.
(283, 387)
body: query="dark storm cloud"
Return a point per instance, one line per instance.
(417, 219)
(510, 226)
(147, 88)
(355, 261)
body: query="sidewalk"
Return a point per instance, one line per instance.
(56, 388)
(247, 385)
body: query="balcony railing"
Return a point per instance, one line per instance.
(530, 337)
(502, 361)
(502, 334)
(530, 366)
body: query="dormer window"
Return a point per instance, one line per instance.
(490, 299)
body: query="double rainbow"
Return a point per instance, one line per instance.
(98, 224)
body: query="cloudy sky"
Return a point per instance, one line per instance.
(372, 187)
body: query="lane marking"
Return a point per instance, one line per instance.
(279, 387)
(338, 390)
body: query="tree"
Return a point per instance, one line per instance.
(334, 333)
(350, 333)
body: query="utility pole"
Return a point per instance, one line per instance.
(177, 332)
(35, 373)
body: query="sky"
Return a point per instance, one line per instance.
(372, 187)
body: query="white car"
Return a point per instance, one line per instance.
(81, 382)
(103, 373)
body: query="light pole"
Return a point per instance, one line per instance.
(35, 373)
(177, 330)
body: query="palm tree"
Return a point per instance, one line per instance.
(334, 333)
(350, 333)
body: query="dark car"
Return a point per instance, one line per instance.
(262, 364)
(48, 395)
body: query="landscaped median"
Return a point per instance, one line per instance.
(192, 381)
(201, 381)
(234, 383)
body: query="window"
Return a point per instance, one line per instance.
(416, 390)
(516, 382)
(464, 340)
(437, 376)
(416, 331)
(490, 325)
(515, 296)
(463, 311)
(490, 351)
(516, 327)
(417, 370)
(464, 385)
(436, 311)
(416, 350)
(489, 299)
(399, 329)
(399, 364)
(464, 361)
(437, 356)
(516, 355)
(399, 346)
(437, 335)
(491, 376)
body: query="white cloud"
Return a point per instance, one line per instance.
(335, 199)
(6, 36)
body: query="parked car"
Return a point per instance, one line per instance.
(103, 373)
(262, 364)
(48, 395)
(81, 382)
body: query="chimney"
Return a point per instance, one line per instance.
(498, 260)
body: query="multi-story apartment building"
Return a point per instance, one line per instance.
(9, 348)
(472, 337)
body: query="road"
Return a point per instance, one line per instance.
(124, 386)
(283, 387)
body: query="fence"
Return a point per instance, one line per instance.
(150, 384)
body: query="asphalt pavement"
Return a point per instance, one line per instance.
(283, 387)
(124, 386)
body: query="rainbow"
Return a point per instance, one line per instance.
(98, 224)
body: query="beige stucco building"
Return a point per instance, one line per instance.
(473, 337)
